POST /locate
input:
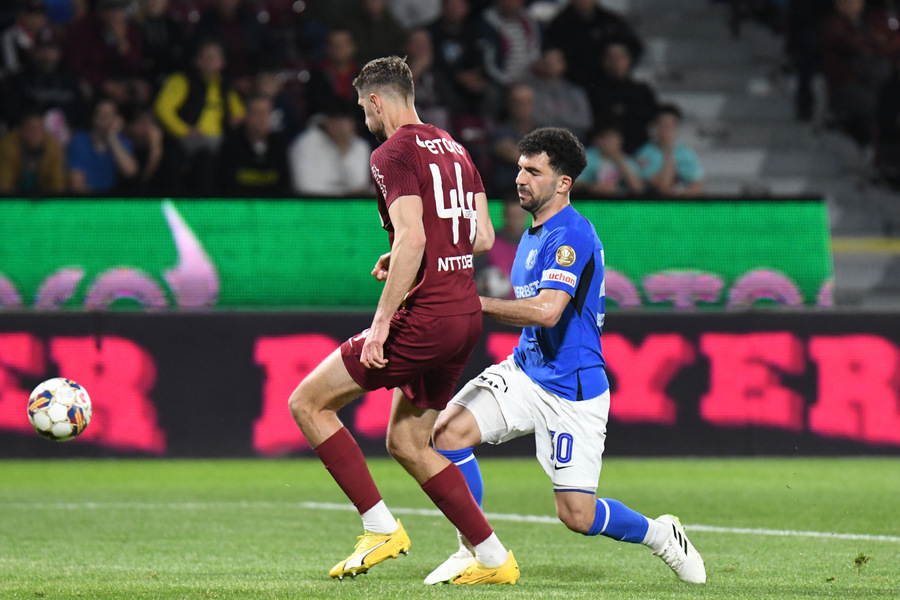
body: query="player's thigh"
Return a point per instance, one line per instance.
(456, 427)
(328, 386)
(570, 439)
(499, 400)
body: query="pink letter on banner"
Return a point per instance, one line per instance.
(286, 360)
(642, 375)
(744, 384)
(118, 375)
(859, 379)
(20, 354)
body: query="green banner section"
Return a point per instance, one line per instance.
(308, 253)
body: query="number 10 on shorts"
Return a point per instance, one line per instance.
(561, 447)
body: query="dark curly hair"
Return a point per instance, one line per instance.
(391, 73)
(565, 152)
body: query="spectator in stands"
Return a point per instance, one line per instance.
(513, 42)
(65, 12)
(559, 102)
(412, 14)
(803, 45)
(887, 140)
(330, 158)
(456, 37)
(332, 79)
(32, 162)
(156, 175)
(100, 157)
(581, 30)
(48, 89)
(856, 63)
(103, 49)
(492, 268)
(285, 107)
(609, 171)
(619, 98)
(431, 86)
(375, 31)
(668, 167)
(165, 41)
(17, 41)
(519, 121)
(246, 42)
(196, 107)
(253, 159)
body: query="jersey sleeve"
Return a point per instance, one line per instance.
(566, 252)
(396, 171)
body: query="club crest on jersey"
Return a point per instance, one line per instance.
(565, 256)
(532, 257)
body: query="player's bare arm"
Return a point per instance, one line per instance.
(484, 228)
(406, 257)
(543, 310)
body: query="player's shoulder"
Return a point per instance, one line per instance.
(571, 225)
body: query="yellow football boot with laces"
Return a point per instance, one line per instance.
(477, 573)
(371, 549)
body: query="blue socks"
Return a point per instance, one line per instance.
(614, 519)
(465, 460)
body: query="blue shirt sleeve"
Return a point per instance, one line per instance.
(687, 164)
(564, 255)
(649, 160)
(78, 153)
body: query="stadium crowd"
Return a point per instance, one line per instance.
(253, 98)
(854, 46)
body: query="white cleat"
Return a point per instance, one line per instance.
(451, 568)
(679, 553)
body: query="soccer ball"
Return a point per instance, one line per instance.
(59, 409)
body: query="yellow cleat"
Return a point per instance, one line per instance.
(371, 549)
(476, 573)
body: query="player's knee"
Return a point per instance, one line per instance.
(444, 437)
(452, 432)
(298, 405)
(401, 450)
(575, 518)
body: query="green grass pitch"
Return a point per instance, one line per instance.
(271, 529)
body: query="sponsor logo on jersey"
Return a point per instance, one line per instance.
(452, 263)
(532, 257)
(526, 291)
(565, 256)
(379, 179)
(440, 145)
(561, 276)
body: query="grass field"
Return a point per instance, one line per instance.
(767, 528)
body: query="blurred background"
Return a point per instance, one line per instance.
(188, 224)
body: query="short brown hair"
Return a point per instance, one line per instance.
(390, 73)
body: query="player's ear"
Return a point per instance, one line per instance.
(564, 185)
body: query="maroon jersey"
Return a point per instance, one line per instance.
(424, 161)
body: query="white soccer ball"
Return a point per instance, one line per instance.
(59, 409)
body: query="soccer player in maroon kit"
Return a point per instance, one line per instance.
(433, 206)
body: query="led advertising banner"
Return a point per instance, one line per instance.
(187, 254)
(216, 384)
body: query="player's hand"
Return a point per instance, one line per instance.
(380, 272)
(372, 356)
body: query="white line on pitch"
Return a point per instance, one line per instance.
(425, 512)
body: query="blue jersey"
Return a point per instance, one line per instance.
(564, 254)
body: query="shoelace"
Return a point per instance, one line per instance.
(672, 554)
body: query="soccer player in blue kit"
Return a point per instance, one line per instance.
(554, 384)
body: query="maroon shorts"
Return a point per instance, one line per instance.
(426, 355)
